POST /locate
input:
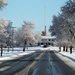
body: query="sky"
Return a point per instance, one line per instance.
(33, 11)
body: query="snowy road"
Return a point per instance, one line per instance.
(50, 64)
(38, 63)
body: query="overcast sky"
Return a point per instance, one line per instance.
(31, 10)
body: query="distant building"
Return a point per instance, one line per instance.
(47, 40)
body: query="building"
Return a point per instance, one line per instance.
(47, 40)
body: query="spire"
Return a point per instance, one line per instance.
(45, 31)
(44, 16)
(45, 20)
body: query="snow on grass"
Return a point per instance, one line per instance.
(67, 59)
(64, 53)
(67, 54)
(18, 52)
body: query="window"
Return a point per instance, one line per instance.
(49, 39)
(52, 39)
(49, 43)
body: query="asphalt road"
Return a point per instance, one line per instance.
(38, 63)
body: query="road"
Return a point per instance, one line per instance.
(37, 63)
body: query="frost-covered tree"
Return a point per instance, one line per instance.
(68, 11)
(28, 36)
(18, 37)
(63, 25)
(3, 25)
(58, 28)
(25, 34)
(38, 37)
(62, 29)
(69, 8)
(3, 3)
(9, 31)
(3, 34)
(5, 30)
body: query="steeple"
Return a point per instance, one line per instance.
(45, 20)
(45, 31)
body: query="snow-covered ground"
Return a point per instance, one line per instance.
(18, 53)
(64, 53)
(66, 57)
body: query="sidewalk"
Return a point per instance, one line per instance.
(67, 58)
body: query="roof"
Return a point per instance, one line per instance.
(48, 37)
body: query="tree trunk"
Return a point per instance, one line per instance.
(59, 48)
(63, 48)
(71, 49)
(8, 48)
(1, 50)
(66, 49)
(24, 46)
(12, 49)
(27, 46)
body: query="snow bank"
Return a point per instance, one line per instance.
(18, 52)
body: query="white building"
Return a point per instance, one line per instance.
(47, 40)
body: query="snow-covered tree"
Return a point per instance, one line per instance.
(9, 31)
(18, 37)
(68, 12)
(38, 37)
(3, 34)
(69, 8)
(57, 27)
(25, 34)
(3, 3)
(5, 30)
(3, 25)
(63, 25)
